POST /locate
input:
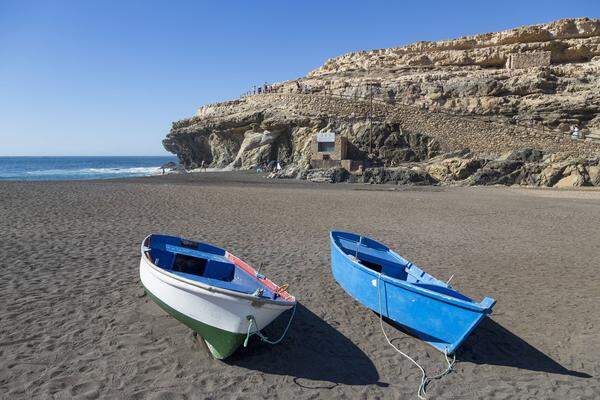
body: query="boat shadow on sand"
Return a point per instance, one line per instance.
(491, 343)
(316, 354)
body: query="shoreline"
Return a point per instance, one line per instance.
(245, 177)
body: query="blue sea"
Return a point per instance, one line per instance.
(55, 168)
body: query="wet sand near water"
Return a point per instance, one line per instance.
(74, 322)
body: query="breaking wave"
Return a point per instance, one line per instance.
(87, 172)
(67, 168)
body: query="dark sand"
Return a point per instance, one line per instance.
(74, 321)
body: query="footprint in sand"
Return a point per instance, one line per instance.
(88, 390)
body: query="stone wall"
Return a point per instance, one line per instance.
(529, 59)
(321, 164)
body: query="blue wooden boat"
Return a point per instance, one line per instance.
(428, 308)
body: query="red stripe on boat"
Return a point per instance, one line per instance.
(252, 272)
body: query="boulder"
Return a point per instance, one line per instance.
(454, 169)
(288, 172)
(551, 174)
(573, 180)
(408, 176)
(594, 174)
(439, 171)
(331, 175)
(529, 175)
(525, 155)
(398, 175)
(497, 172)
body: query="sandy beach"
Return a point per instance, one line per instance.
(75, 323)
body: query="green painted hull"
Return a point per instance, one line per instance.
(221, 343)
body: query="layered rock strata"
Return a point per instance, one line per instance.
(413, 103)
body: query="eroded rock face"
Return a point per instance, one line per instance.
(569, 40)
(331, 175)
(594, 175)
(454, 169)
(468, 75)
(429, 98)
(555, 170)
(281, 127)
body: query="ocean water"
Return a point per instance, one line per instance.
(55, 168)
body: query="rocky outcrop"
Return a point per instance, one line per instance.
(280, 126)
(468, 75)
(555, 170)
(399, 133)
(568, 40)
(410, 104)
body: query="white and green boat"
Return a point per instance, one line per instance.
(211, 291)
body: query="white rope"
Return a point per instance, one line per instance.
(262, 337)
(421, 392)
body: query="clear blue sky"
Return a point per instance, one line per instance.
(108, 77)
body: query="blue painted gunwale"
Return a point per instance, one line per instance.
(162, 250)
(364, 291)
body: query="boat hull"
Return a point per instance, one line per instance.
(221, 343)
(219, 318)
(439, 320)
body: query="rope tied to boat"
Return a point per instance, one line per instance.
(425, 380)
(262, 337)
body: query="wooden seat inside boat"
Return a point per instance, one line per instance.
(198, 263)
(190, 258)
(202, 262)
(209, 268)
(376, 259)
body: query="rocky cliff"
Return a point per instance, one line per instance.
(469, 75)
(491, 94)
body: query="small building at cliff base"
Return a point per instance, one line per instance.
(329, 149)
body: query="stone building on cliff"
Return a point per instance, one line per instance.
(529, 59)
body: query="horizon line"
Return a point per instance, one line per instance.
(90, 155)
